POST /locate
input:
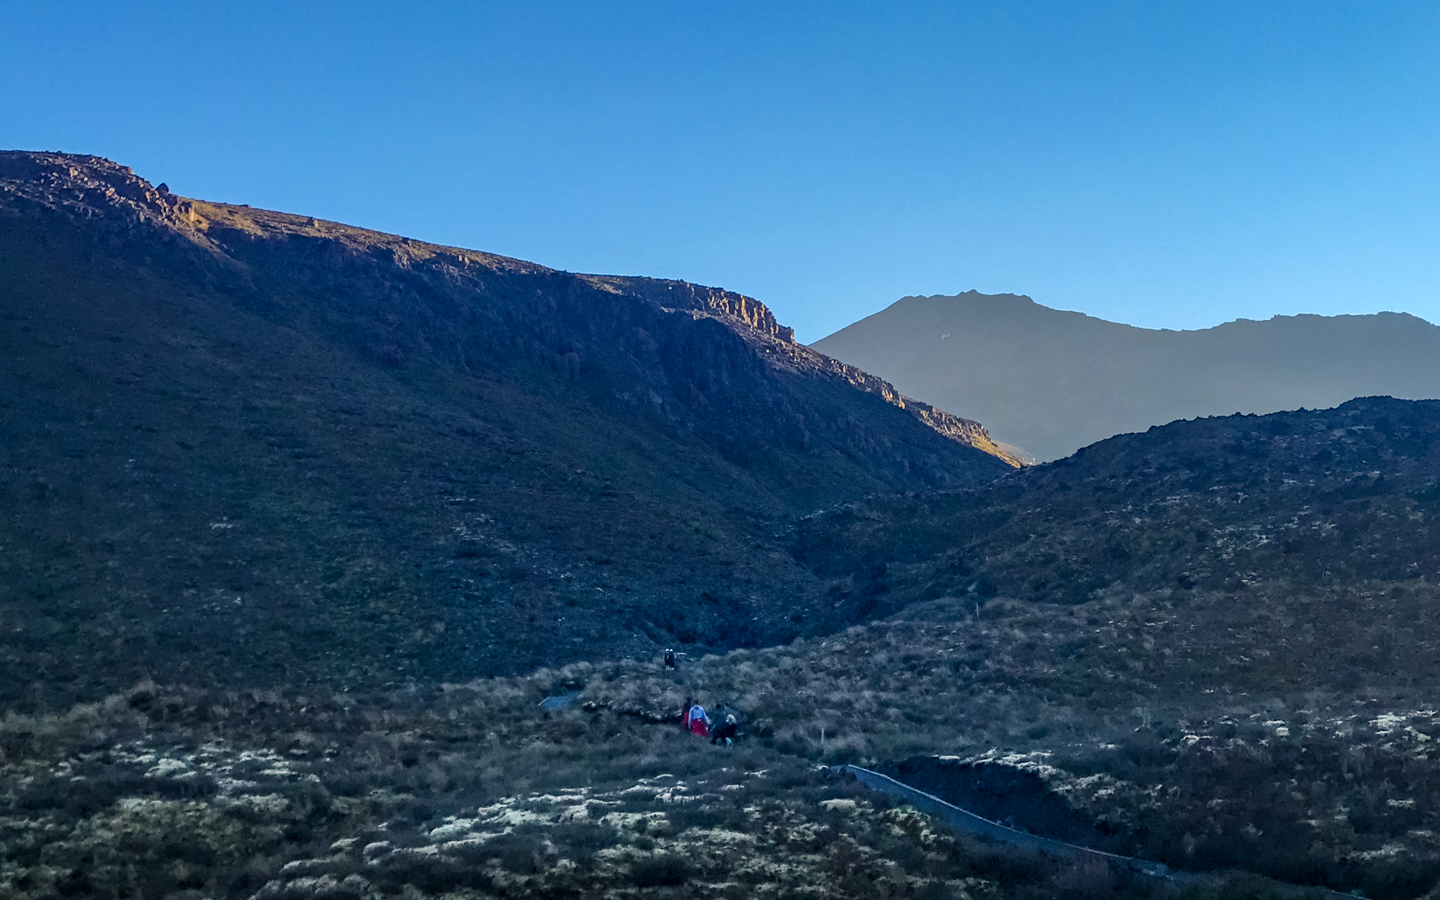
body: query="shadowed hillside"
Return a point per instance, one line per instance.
(1212, 645)
(1218, 639)
(1051, 382)
(309, 478)
(246, 446)
(1312, 499)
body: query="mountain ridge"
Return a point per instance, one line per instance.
(1051, 381)
(258, 447)
(95, 183)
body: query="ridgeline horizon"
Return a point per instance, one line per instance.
(246, 445)
(1048, 381)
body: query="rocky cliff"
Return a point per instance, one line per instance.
(252, 446)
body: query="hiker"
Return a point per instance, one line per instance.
(669, 658)
(697, 721)
(726, 732)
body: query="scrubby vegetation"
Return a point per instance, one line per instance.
(174, 793)
(1148, 716)
(243, 447)
(307, 476)
(1307, 499)
(472, 791)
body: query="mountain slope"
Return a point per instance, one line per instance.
(1051, 381)
(1311, 498)
(247, 447)
(1218, 636)
(1214, 642)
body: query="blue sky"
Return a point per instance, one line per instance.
(1165, 164)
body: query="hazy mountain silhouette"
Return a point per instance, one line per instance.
(249, 447)
(1050, 381)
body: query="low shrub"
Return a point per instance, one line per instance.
(659, 869)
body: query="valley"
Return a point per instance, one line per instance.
(304, 522)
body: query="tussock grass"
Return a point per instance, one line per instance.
(1323, 785)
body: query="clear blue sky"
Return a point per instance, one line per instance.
(1165, 164)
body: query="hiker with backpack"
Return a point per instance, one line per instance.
(726, 732)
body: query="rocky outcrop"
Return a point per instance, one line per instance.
(683, 295)
(92, 189)
(779, 341)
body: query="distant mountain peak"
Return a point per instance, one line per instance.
(1051, 381)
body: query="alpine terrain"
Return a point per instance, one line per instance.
(246, 446)
(339, 566)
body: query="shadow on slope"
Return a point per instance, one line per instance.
(1306, 498)
(249, 448)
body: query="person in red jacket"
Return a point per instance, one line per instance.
(697, 721)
